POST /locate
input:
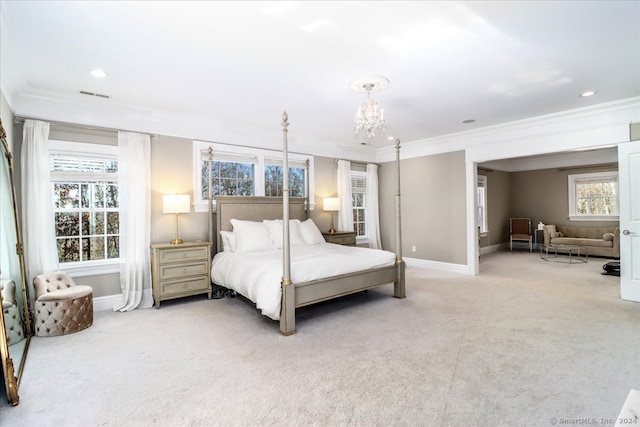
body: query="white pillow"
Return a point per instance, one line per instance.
(228, 241)
(295, 236)
(251, 236)
(276, 232)
(310, 232)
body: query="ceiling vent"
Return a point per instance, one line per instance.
(99, 95)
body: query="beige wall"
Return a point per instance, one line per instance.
(542, 195)
(326, 185)
(172, 173)
(433, 207)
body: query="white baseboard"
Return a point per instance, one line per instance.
(437, 265)
(493, 248)
(107, 302)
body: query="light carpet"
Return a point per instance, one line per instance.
(525, 343)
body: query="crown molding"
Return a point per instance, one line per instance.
(108, 114)
(555, 160)
(592, 126)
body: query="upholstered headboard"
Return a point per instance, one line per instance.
(253, 209)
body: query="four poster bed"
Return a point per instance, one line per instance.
(255, 238)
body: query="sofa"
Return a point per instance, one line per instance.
(599, 241)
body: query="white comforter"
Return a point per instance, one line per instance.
(258, 275)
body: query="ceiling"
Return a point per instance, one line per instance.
(225, 71)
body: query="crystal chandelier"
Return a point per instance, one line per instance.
(370, 119)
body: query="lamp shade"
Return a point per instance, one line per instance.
(331, 204)
(176, 203)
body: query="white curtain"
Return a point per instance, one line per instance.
(372, 215)
(134, 175)
(38, 226)
(345, 214)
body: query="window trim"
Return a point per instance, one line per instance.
(99, 151)
(262, 157)
(363, 175)
(574, 179)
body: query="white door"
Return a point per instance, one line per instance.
(629, 191)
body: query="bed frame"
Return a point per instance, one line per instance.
(285, 208)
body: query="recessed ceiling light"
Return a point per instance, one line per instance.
(468, 121)
(588, 93)
(98, 73)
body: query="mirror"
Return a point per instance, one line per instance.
(16, 333)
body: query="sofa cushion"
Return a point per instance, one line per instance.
(582, 242)
(585, 232)
(608, 237)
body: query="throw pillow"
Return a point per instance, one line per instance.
(310, 232)
(608, 237)
(251, 236)
(276, 232)
(228, 241)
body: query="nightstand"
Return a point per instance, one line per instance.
(347, 238)
(180, 270)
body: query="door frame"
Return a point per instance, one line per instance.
(516, 145)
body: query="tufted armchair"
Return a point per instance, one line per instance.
(61, 306)
(11, 311)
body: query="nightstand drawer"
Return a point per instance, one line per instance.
(171, 271)
(183, 254)
(184, 286)
(347, 238)
(344, 240)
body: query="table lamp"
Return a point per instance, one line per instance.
(177, 204)
(331, 204)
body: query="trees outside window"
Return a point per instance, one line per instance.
(273, 181)
(246, 171)
(85, 206)
(593, 196)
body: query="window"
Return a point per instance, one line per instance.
(593, 196)
(229, 178)
(84, 181)
(359, 202)
(481, 207)
(273, 178)
(245, 171)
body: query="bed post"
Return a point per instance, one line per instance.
(399, 290)
(308, 200)
(288, 308)
(210, 196)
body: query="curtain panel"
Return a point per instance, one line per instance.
(134, 175)
(345, 214)
(38, 225)
(372, 215)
